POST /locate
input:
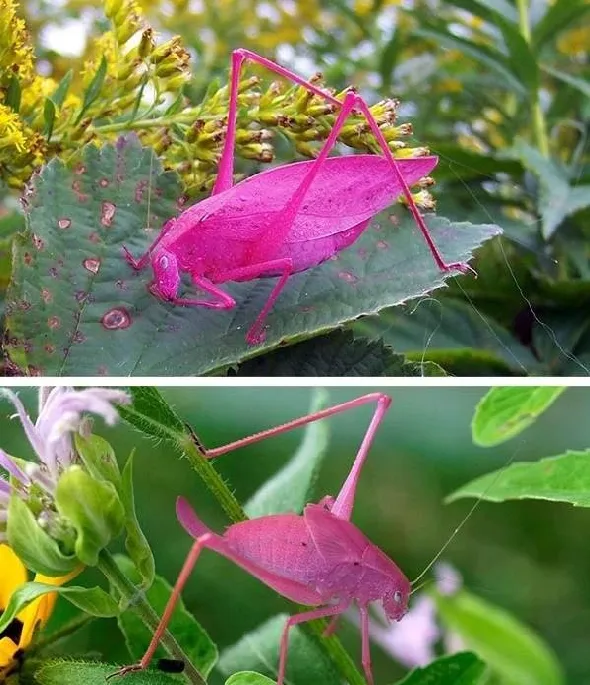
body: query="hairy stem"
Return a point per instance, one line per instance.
(227, 500)
(139, 604)
(538, 122)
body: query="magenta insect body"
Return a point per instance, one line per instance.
(284, 220)
(318, 558)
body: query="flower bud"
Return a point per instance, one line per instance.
(93, 508)
(147, 43)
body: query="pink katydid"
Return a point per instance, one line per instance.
(318, 558)
(284, 220)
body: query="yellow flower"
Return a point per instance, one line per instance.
(574, 42)
(16, 52)
(19, 634)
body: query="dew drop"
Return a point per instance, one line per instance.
(91, 264)
(50, 349)
(64, 223)
(382, 245)
(107, 213)
(46, 295)
(116, 318)
(53, 322)
(348, 277)
(103, 183)
(38, 242)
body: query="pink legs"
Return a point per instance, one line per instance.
(303, 617)
(225, 177)
(183, 576)
(343, 505)
(256, 333)
(366, 649)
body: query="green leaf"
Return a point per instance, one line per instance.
(94, 509)
(57, 672)
(13, 94)
(195, 641)
(136, 544)
(577, 83)
(37, 550)
(259, 651)
(487, 56)
(249, 678)
(451, 333)
(558, 16)
(76, 307)
(292, 487)
(459, 669)
(49, 111)
(151, 414)
(502, 15)
(94, 601)
(59, 94)
(506, 645)
(504, 412)
(94, 88)
(557, 199)
(336, 354)
(99, 458)
(564, 478)
(389, 57)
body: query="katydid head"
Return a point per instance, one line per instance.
(167, 277)
(395, 601)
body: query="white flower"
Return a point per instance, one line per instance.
(62, 412)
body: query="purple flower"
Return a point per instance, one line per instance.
(62, 411)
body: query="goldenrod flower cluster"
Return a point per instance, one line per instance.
(131, 80)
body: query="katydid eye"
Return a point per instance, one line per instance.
(164, 262)
(397, 596)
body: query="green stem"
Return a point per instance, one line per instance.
(138, 603)
(218, 488)
(538, 118)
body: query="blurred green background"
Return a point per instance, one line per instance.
(531, 558)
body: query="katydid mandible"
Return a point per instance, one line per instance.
(318, 558)
(284, 220)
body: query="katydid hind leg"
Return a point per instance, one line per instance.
(343, 504)
(418, 218)
(304, 617)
